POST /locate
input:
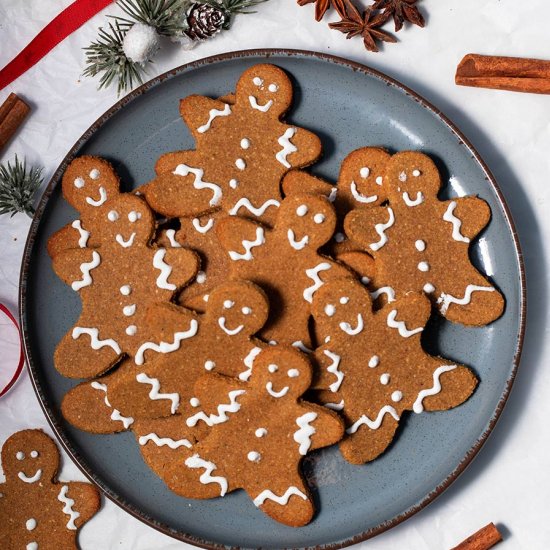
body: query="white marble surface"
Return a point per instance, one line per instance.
(509, 482)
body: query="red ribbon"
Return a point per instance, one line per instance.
(62, 26)
(19, 368)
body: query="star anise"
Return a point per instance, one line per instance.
(321, 6)
(366, 25)
(401, 11)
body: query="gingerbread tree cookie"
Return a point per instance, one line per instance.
(36, 511)
(243, 151)
(259, 444)
(88, 185)
(285, 261)
(373, 367)
(117, 281)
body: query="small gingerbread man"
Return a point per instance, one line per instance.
(36, 511)
(421, 244)
(373, 367)
(117, 281)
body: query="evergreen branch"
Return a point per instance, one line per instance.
(17, 187)
(164, 15)
(240, 6)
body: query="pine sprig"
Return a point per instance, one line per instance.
(17, 187)
(240, 6)
(164, 15)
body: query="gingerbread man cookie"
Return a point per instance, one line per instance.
(285, 262)
(373, 367)
(117, 281)
(421, 244)
(257, 438)
(35, 510)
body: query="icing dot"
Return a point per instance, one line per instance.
(379, 180)
(330, 310)
(228, 304)
(344, 300)
(260, 432)
(339, 237)
(385, 379)
(125, 290)
(319, 218)
(273, 87)
(112, 216)
(79, 183)
(301, 210)
(246, 310)
(94, 174)
(134, 216)
(402, 176)
(20, 455)
(131, 330)
(34, 454)
(257, 81)
(233, 184)
(327, 339)
(129, 310)
(364, 172)
(240, 164)
(201, 278)
(272, 342)
(254, 456)
(293, 373)
(194, 402)
(428, 288)
(416, 173)
(420, 245)
(205, 297)
(423, 266)
(374, 361)
(272, 368)
(396, 396)
(245, 143)
(365, 280)
(30, 524)
(209, 365)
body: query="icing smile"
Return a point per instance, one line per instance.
(273, 393)
(359, 197)
(125, 244)
(346, 327)
(231, 332)
(31, 479)
(100, 201)
(255, 105)
(297, 244)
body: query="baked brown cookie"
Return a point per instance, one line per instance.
(36, 511)
(373, 367)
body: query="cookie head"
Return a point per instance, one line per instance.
(308, 221)
(89, 182)
(412, 178)
(238, 307)
(265, 89)
(29, 456)
(128, 220)
(281, 372)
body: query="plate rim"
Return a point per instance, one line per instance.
(267, 53)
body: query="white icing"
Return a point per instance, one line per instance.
(293, 373)
(272, 368)
(94, 174)
(161, 441)
(359, 197)
(333, 369)
(387, 290)
(165, 270)
(84, 235)
(85, 269)
(313, 274)
(206, 477)
(32, 546)
(319, 218)
(209, 365)
(112, 216)
(302, 436)
(385, 379)
(255, 105)
(30, 479)
(287, 147)
(201, 277)
(276, 394)
(416, 173)
(254, 456)
(330, 310)
(374, 361)
(248, 246)
(171, 236)
(248, 361)
(428, 288)
(297, 245)
(228, 304)
(245, 203)
(260, 432)
(379, 180)
(257, 81)
(396, 396)
(30, 524)
(402, 177)
(364, 172)
(400, 325)
(418, 407)
(166, 347)
(240, 164)
(245, 143)
(230, 332)
(184, 170)
(154, 393)
(194, 402)
(20, 455)
(344, 300)
(420, 245)
(381, 228)
(333, 193)
(134, 216)
(127, 421)
(131, 330)
(413, 202)
(68, 508)
(301, 210)
(95, 342)
(79, 183)
(214, 113)
(100, 201)
(456, 222)
(365, 280)
(125, 290)
(335, 406)
(423, 266)
(130, 310)
(273, 88)
(233, 183)
(203, 228)
(301, 346)
(282, 500)
(373, 424)
(447, 299)
(346, 327)
(246, 310)
(232, 407)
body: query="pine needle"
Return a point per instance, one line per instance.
(17, 187)
(165, 15)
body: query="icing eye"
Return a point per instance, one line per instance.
(319, 218)
(364, 172)
(94, 174)
(301, 210)
(403, 177)
(209, 365)
(273, 87)
(344, 300)
(112, 216)
(379, 180)
(260, 432)
(134, 216)
(293, 373)
(20, 455)
(34, 454)
(330, 310)
(416, 173)
(257, 81)
(272, 368)
(228, 304)
(246, 310)
(79, 183)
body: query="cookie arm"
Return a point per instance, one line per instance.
(469, 216)
(297, 182)
(202, 114)
(370, 227)
(86, 500)
(240, 238)
(323, 378)
(75, 267)
(308, 148)
(407, 315)
(184, 263)
(63, 239)
(329, 427)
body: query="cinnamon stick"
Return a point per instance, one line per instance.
(12, 113)
(504, 73)
(482, 540)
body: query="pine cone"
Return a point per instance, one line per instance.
(204, 20)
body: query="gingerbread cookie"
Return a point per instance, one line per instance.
(421, 244)
(88, 184)
(285, 262)
(257, 438)
(373, 368)
(36, 511)
(117, 281)
(243, 151)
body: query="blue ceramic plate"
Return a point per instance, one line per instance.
(348, 106)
